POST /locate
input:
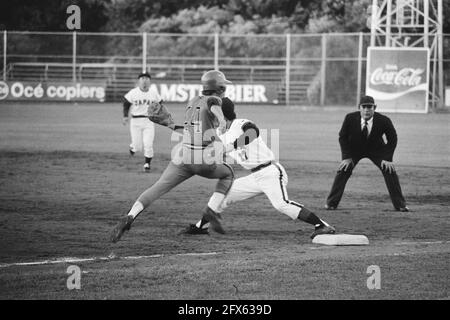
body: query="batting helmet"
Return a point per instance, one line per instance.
(214, 80)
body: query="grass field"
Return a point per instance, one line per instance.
(66, 177)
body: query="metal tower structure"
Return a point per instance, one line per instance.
(412, 23)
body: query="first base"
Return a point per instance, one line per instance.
(341, 239)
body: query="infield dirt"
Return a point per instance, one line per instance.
(66, 178)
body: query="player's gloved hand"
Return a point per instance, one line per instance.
(388, 166)
(158, 113)
(345, 164)
(214, 101)
(124, 121)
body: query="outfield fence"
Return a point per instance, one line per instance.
(294, 69)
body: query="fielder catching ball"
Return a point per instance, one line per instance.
(244, 144)
(203, 115)
(142, 130)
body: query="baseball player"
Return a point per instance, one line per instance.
(243, 143)
(135, 105)
(203, 115)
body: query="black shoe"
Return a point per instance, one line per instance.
(123, 225)
(402, 209)
(213, 218)
(131, 152)
(147, 167)
(323, 229)
(328, 207)
(193, 229)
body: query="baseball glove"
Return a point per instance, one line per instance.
(158, 113)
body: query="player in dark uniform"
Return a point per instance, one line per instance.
(194, 156)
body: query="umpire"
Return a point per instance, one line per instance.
(361, 136)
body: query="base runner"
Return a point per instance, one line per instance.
(203, 116)
(243, 143)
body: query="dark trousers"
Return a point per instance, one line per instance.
(391, 179)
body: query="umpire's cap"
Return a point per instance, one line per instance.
(367, 100)
(228, 109)
(144, 74)
(214, 80)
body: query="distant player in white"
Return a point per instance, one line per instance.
(243, 143)
(142, 130)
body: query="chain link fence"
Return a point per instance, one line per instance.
(303, 69)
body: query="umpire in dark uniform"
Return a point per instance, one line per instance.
(361, 136)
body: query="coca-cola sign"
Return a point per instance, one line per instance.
(392, 76)
(398, 78)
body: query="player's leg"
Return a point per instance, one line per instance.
(136, 135)
(273, 181)
(148, 136)
(393, 186)
(171, 177)
(242, 189)
(339, 183)
(225, 174)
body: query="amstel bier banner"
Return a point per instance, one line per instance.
(398, 78)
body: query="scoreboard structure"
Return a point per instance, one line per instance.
(411, 24)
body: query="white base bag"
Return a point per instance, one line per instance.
(341, 239)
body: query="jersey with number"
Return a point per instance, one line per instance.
(199, 124)
(251, 155)
(140, 100)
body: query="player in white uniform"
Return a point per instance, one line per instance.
(243, 143)
(142, 130)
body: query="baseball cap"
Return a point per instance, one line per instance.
(144, 74)
(366, 100)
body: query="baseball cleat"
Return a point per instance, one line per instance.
(131, 152)
(193, 229)
(147, 167)
(123, 225)
(323, 229)
(328, 207)
(213, 218)
(402, 209)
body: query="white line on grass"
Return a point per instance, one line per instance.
(110, 257)
(195, 254)
(420, 242)
(396, 244)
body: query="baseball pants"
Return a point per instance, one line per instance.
(175, 174)
(142, 135)
(272, 182)
(391, 180)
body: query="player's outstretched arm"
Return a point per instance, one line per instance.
(250, 132)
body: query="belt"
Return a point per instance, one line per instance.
(139, 116)
(261, 166)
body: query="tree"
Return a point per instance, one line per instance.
(48, 15)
